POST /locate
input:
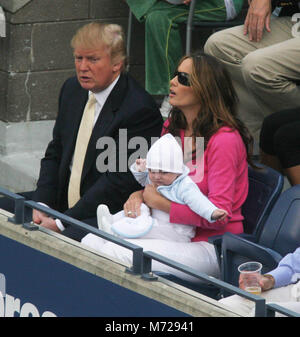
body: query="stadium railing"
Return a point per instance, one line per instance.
(141, 261)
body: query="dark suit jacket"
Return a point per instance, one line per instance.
(129, 107)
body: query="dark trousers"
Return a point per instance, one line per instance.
(280, 136)
(70, 231)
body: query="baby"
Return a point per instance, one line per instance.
(165, 170)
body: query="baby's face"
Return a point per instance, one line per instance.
(161, 177)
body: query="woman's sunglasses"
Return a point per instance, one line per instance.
(183, 78)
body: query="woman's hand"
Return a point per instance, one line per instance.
(154, 199)
(132, 207)
(258, 18)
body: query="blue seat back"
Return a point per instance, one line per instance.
(281, 231)
(279, 236)
(265, 186)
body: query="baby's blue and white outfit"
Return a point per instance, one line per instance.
(165, 155)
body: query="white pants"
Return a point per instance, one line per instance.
(161, 227)
(197, 255)
(288, 297)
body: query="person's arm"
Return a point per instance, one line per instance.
(139, 171)
(224, 154)
(191, 196)
(47, 184)
(287, 268)
(258, 19)
(154, 199)
(282, 275)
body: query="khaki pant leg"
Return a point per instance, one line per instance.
(231, 46)
(271, 74)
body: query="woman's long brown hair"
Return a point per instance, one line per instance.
(212, 84)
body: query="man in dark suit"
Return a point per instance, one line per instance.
(122, 112)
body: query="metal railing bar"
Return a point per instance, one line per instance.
(272, 308)
(18, 207)
(136, 250)
(142, 261)
(260, 305)
(189, 27)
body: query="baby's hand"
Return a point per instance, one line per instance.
(219, 214)
(140, 165)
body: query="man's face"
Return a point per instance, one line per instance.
(95, 69)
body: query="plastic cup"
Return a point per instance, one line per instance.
(249, 277)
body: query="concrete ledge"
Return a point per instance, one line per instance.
(22, 147)
(72, 252)
(19, 172)
(13, 5)
(25, 137)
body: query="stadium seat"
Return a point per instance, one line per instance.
(214, 25)
(279, 236)
(265, 187)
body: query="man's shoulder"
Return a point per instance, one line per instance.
(71, 87)
(137, 93)
(72, 83)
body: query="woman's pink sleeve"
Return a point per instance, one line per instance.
(223, 153)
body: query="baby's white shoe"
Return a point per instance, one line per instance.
(103, 212)
(106, 226)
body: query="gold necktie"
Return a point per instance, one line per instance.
(83, 137)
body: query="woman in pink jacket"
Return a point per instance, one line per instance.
(204, 105)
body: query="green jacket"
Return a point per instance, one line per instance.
(140, 8)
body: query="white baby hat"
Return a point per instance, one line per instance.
(165, 155)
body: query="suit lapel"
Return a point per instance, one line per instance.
(78, 108)
(105, 123)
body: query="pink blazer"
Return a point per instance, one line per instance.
(224, 182)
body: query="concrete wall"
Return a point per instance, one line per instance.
(35, 59)
(36, 56)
